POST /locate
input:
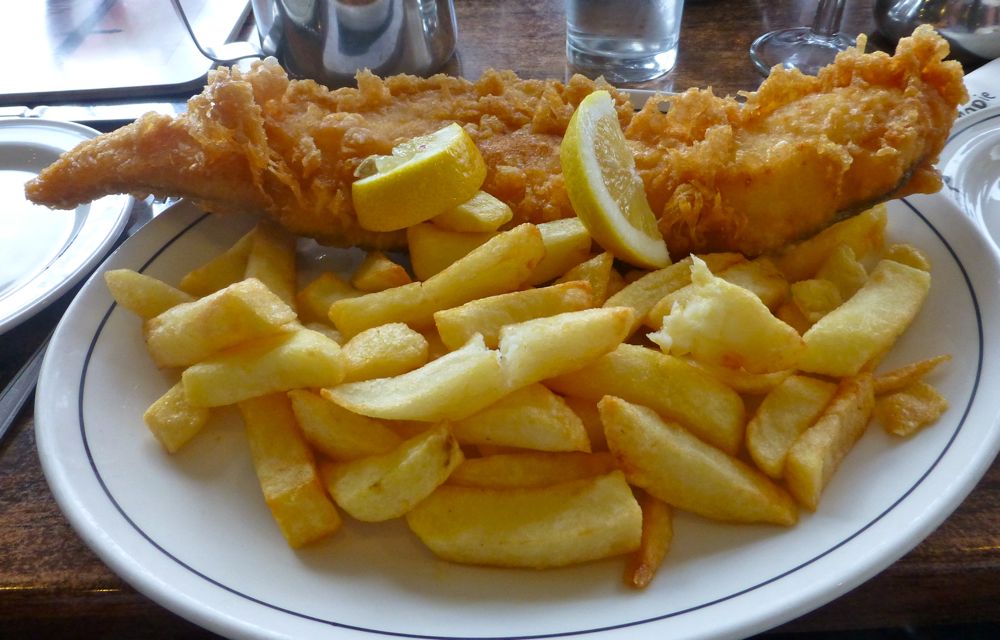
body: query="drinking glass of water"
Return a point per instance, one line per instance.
(626, 41)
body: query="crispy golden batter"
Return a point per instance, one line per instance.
(801, 151)
(257, 141)
(720, 175)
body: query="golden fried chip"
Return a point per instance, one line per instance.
(667, 461)
(377, 272)
(143, 295)
(701, 403)
(816, 454)
(535, 527)
(899, 379)
(388, 485)
(287, 471)
(863, 328)
(657, 534)
(529, 418)
(903, 413)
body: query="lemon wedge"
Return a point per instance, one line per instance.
(604, 187)
(424, 177)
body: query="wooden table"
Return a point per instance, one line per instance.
(52, 586)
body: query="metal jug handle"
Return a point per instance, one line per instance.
(224, 54)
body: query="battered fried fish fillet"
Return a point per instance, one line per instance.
(721, 175)
(802, 151)
(257, 141)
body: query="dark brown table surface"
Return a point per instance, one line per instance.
(53, 586)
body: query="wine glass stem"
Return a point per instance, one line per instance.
(828, 15)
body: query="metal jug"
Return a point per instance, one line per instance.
(329, 40)
(972, 27)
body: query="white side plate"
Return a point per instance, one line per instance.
(44, 252)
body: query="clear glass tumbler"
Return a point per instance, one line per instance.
(807, 49)
(626, 41)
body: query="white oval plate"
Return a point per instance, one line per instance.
(192, 532)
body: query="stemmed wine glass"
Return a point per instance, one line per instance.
(804, 48)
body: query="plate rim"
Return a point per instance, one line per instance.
(968, 129)
(918, 529)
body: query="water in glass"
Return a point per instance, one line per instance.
(624, 40)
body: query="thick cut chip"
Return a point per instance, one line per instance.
(378, 273)
(596, 271)
(724, 324)
(193, 331)
(644, 292)
(586, 409)
(432, 249)
(452, 387)
(909, 255)
(863, 233)
(530, 469)
(844, 270)
(436, 347)
(782, 417)
(173, 420)
(500, 265)
(567, 244)
(815, 298)
(384, 351)
(817, 453)
(901, 378)
(481, 212)
(338, 433)
(313, 301)
(407, 429)
(291, 360)
(486, 316)
(744, 382)
(616, 282)
(657, 534)
(530, 418)
(287, 471)
(667, 461)
(388, 485)
(863, 328)
(540, 527)
(790, 314)
(677, 390)
(272, 260)
(227, 268)
(543, 348)
(761, 277)
(406, 304)
(143, 295)
(325, 329)
(905, 412)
